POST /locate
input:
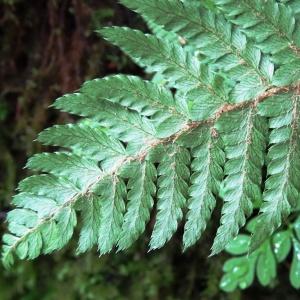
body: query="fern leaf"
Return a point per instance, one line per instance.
(172, 193)
(33, 233)
(65, 222)
(141, 142)
(244, 139)
(268, 22)
(287, 74)
(148, 99)
(93, 141)
(207, 174)
(132, 92)
(170, 59)
(161, 33)
(60, 189)
(113, 193)
(123, 124)
(183, 70)
(42, 205)
(216, 39)
(80, 170)
(282, 186)
(140, 201)
(91, 216)
(272, 25)
(172, 15)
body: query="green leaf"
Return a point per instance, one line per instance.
(65, 222)
(93, 141)
(240, 273)
(208, 159)
(282, 245)
(59, 189)
(248, 88)
(266, 265)
(295, 268)
(140, 201)
(214, 37)
(172, 192)
(80, 170)
(182, 69)
(282, 186)
(287, 74)
(33, 236)
(252, 224)
(161, 33)
(42, 205)
(221, 70)
(239, 245)
(244, 139)
(273, 27)
(145, 97)
(147, 50)
(91, 217)
(267, 22)
(148, 99)
(296, 226)
(124, 124)
(112, 192)
(172, 15)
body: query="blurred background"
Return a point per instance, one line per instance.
(48, 48)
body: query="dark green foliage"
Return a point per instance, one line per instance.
(223, 104)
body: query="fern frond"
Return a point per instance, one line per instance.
(273, 27)
(173, 147)
(207, 174)
(161, 33)
(125, 124)
(140, 202)
(59, 189)
(216, 39)
(174, 16)
(93, 141)
(80, 170)
(112, 207)
(65, 195)
(172, 193)
(143, 96)
(148, 99)
(282, 186)
(91, 217)
(184, 70)
(151, 52)
(244, 136)
(38, 227)
(268, 22)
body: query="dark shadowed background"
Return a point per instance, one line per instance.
(48, 48)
